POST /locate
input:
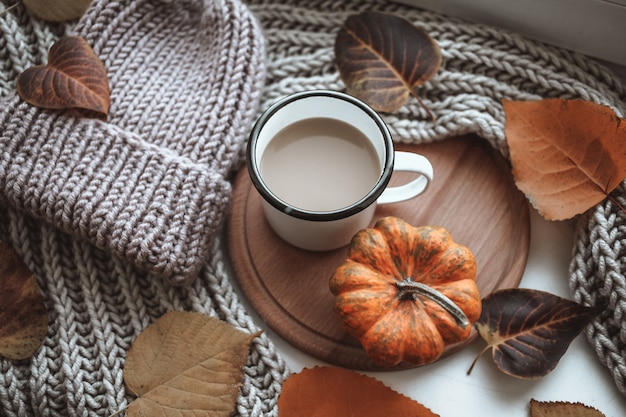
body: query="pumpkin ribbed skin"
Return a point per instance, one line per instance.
(394, 326)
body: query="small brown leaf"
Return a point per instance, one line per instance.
(57, 10)
(529, 330)
(23, 314)
(562, 409)
(74, 78)
(327, 391)
(184, 363)
(383, 58)
(566, 155)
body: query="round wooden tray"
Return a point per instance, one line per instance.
(472, 195)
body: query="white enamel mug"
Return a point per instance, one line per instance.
(316, 230)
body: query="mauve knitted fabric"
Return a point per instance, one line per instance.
(110, 215)
(99, 302)
(151, 184)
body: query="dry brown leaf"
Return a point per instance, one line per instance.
(529, 330)
(184, 364)
(23, 314)
(566, 155)
(57, 10)
(327, 391)
(383, 58)
(74, 78)
(562, 409)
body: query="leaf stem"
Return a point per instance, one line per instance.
(9, 8)
(614, 201)
(471, 368)
(121, 410)
(409, 289)
(428, 112)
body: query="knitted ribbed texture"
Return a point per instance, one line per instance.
(99, 302)
(149, 187)
(598, 277)
(149, 184)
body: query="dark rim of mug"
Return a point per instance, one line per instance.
(338, 214)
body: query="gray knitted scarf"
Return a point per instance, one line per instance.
(114, 217)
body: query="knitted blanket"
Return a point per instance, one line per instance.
(101, 292)
(114, 217)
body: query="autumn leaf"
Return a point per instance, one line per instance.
(74, 78)
(529, 330)
(23, 314)
(57, 10)
(186, 363)
(327, 391)
(383, 58)
(566, 155)
(562, 409)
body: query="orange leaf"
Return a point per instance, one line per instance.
(566, 155)
(23, 315)
(336, 392)
(74, 78)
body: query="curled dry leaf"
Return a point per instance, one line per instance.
(184, 364)
(57, 10)
(566, 155)
(529, 330)
(23, 314)
(74, 78)
(327, 391)
(562, 409)
(382, 59)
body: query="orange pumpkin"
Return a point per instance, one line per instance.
(406, 292)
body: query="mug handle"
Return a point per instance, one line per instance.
(408, 162)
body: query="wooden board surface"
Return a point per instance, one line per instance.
(472, 195)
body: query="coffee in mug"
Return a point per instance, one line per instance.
(320, 164)
(322, 161)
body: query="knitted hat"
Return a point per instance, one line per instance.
(196, 65)
(151, 184)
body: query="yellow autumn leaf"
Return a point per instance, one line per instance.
(186, 364)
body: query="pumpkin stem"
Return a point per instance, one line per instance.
(409, 289)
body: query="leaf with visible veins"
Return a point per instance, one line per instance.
(186, 364)
(529, 330)
(74, 78)
(383, 59)
(566, 155)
